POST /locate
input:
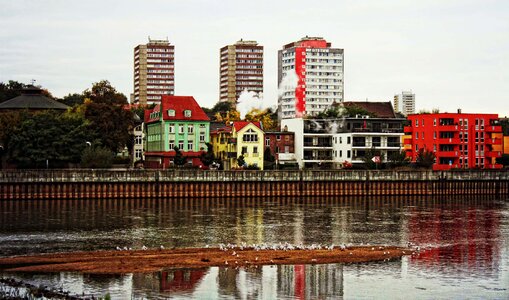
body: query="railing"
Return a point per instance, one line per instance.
(48, 176)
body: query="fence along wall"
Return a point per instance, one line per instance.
(109, 184)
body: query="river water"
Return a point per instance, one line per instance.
(464, 245)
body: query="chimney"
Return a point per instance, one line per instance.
(459, 110)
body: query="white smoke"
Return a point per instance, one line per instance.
(288, 83)
(249, 100)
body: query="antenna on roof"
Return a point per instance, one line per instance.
(32, 82)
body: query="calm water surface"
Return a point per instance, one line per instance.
(465, 242)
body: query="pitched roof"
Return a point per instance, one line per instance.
(178, 104)
(241, 124)
(32, 98)
(380, 109)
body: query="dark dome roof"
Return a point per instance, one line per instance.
(32, 98)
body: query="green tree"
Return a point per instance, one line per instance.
(104, 92)
(10, 90)
(504, 160)
(207, 158)
(425, 158)
(110, 124)
(241, 162)
(97, 158)
(179, 159)
(344, 111)
(268, 159)
(368, 158)
(73, 99)
(50, 137)
(266, 116)
(398, 159)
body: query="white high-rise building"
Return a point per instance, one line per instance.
(404, 103)
(310, 76)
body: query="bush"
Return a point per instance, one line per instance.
(96, 158)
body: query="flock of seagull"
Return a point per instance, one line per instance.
(280, 246)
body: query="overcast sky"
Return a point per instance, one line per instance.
(451, 54)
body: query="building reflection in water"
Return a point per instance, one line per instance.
(265, 282)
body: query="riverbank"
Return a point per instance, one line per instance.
(146, 261)
(159, 184)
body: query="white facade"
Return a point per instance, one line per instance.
(322, 141)
(404, 103)
(138, 147)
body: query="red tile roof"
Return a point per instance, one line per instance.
(380, 109)
(179, 104)
(241, 124)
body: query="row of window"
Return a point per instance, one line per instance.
(181, 127)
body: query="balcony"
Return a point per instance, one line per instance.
(493, 154)
(494, 141)
(453, 127)
(318, 145)
(286, 156)
(448, 154)
(407, 141)
(408, 129)
(318, 158)
(449, 141)
(494, 128)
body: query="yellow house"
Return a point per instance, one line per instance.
(243, 138)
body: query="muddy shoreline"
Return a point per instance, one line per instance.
(146, 261)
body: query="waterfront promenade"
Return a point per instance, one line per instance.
(106, 184)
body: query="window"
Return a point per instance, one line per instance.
(171, 145)
(267, 141)
(190, 145)
(416, 135)
(422, 135)
(277, 149)
(434, 135)
(434, 122)
(202, 126)
(348, 140)
(278, 137)
(287, 149)
(190, 129)
(181, 128)
(181, 145)
(138, 140)
(187, 113)
(348, 154)
(202, 137)
(250, 136)
(340, 153)
(171, 113)
(171, 128)
(416, 148)
(255, 149)
(138, 153)
(244, 150)
(416, 123)
(287, 138)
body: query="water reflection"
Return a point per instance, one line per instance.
(464, 244)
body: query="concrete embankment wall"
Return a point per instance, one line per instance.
(108, 184)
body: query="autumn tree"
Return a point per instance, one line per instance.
(266, 117)
(104, 92)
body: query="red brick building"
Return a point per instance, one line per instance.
(458, 140)
(282, 146)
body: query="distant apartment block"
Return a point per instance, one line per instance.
(241, 68)
(318, 70)
(458, 140)
(154, 71)
(404, 103)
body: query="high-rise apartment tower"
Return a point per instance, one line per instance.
(154, 71)
(310, 76)
(404, 103)
(241, 68)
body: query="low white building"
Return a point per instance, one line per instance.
(329, 143)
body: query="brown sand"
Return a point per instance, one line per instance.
(145, 261)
